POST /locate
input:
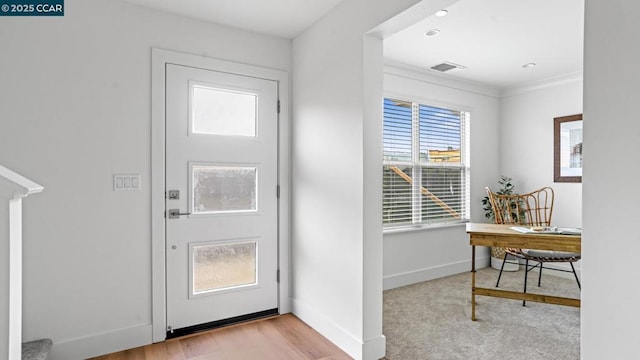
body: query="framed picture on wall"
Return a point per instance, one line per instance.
(567, 152)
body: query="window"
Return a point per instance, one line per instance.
(221, 111)
(425, 165)
(223, 189)
(223, 266)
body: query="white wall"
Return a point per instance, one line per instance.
(526, 125)
(75, 98)
(610, 296)
(336, 151)
(526, 141)
(414, 256)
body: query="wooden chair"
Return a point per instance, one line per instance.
(533, 209)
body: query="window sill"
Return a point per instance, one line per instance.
(414, 228)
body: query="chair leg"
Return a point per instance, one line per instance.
(526, 271)
(501, 268)
(540, 275)
(576, 275)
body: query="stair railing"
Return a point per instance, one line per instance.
(13, 188)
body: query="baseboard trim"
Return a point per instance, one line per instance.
(332, 331)
(101, 344)
(375, 349)
(433, 272)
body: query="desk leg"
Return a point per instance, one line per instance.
(473, 282)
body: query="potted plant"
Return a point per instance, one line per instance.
(497, 253)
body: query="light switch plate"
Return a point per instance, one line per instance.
(126, 182)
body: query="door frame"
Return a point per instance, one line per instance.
(160, 57)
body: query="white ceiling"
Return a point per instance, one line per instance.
(494, 38)
(283, 18)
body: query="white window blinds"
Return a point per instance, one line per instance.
(425, 165)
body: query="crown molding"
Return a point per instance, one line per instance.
(430, 76)
(574, 77)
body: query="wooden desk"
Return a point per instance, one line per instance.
(503, 236)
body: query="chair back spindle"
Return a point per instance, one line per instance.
(532, 209)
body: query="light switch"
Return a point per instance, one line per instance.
(119, 182)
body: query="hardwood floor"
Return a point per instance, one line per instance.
(278, 338)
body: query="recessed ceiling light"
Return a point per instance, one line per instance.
(432, 33)
(529, 65)
(442, 13)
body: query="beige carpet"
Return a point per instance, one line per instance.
(431, 320)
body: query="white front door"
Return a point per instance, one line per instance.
(221, 196)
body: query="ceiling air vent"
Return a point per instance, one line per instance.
(447, 66)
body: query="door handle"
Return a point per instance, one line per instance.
(175, 213)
